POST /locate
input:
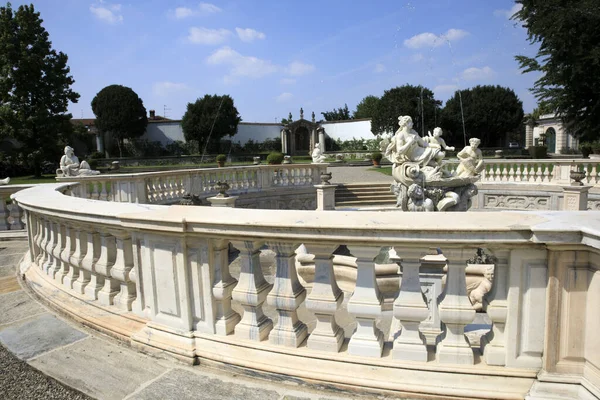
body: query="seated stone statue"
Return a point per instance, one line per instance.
(5, 181)
(70, 165)
(317, 155)
(471, 160)
(436, 141)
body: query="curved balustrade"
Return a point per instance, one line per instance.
(160, 278)
(167, 187)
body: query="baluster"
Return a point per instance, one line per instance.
(594, 175)
(518, 176)
(106, 260)
(547, 174)
(4, 213)
(324, 299)
(95, 192)
(511, 173)
(539, 174)
(531, 173)
(286, 296)
(81, 251)
(456, 312)
(37, 237)
(365, 305)
(410, 308)
(16, 214)
(223, 284)
(50, 243)
(488, 175)
(251, 292)
(60, 269)
(525, 173)
(122, 271)
(493, 344)
(43, 241)
(103, 192)
(498, 173)
(65, 256)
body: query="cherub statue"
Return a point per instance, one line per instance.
(416, 199)
(436, 141)
(317, 155)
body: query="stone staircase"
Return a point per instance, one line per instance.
(364, 194)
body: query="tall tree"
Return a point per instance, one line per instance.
(339, 114)
(209, 119)
(35, 86)
(367, 107)
(415, 101)
(568, 33)
(120, 112)
(491, 113)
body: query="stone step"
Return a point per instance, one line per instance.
(363, 190)
(366, 202)
(369, 196)
(364, 185)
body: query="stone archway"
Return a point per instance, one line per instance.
(302, 140)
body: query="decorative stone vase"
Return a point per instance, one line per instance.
(325, 178)
(222, 187)
(577, 177)
(287, 159)
(220, 164)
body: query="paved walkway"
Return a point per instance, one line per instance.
(69, 359)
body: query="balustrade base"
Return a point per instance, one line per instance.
(180, 345)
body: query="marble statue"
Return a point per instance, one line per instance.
(436, 141)
(317, 155)
(420, 182)
(471, 160)
(70, 165)
(4, 181)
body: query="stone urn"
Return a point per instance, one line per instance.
(222, 187)
(577, 177)
(256, 160)
(287, 159)
(325, 178)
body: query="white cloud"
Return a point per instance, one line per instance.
(208, 36)
(249, 35)
(379, 68)
(508, 13)
(287, 81)
(297, 68)
(417, 57)
(167, 88)
(475, 74)
(445, 89)
(428, 39)
(183, 12)
(109, 13)
(203, 9)
(240, 65)
(283, 97)
(208, 8)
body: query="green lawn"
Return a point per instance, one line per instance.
(383, 170)
(30, 179)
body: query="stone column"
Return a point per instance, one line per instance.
(575, 198)
(410, 309)
(16, 214)
(366, 305)
(251, 292)
(99, 142)
(325, 197)
(456, 312)
(529, 133)
(286, 296)
(321, 139)
(324, 299)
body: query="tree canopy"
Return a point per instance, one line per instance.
(209, 119)
(35, 87)
(490, 113)
(405, 100)
(568, 33)
(367, 107)
(339, 114)
(120, 111)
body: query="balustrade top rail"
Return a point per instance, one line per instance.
(476, 229)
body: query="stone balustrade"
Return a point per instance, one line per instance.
(11, 215)
(167, 187)
(160, 278)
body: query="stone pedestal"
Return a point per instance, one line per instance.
(217, 201)
(575, 198)
(325, 197)
(431, 274)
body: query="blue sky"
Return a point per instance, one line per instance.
(275, 56)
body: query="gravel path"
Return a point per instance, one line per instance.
(18, 380)
(358, 175)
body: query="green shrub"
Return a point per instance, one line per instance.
(586, 148)
(376, 156)
(96, 155)
(221, 158)
(596, 146)
(538, 151)
(275, 158)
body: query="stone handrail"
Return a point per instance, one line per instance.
(11, 215)
(542, 171)
(166, 269)
(167, 187)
